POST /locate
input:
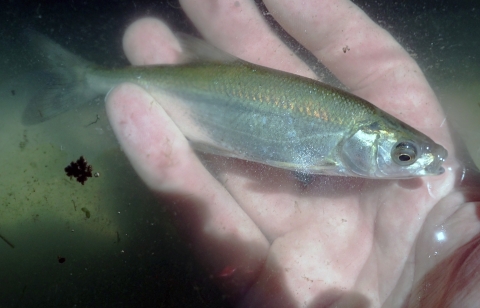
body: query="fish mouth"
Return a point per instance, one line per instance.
(439, 154)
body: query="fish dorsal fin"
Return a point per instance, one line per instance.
(198, 50)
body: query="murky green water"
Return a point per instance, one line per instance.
(126, 251)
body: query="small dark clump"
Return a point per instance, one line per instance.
(86, 211)
(80, 169)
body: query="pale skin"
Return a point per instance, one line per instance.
(264, 237)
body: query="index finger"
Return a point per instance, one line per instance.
(220, 233)
(374, 66)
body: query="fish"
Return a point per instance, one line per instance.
(233, 108)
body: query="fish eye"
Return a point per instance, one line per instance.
(404, 153)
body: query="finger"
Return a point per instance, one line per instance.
(220, 232)
(454, 282)
(149, 41)
(238, 28)
(375, 67)
(363, 56)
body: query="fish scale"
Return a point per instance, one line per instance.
(238, 109)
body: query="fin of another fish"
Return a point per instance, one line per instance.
(64, 83)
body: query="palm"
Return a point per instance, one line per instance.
(253, 224)
(336, 233)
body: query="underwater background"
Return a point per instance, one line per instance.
(109, 243)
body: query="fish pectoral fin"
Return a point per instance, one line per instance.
(327, 163)
(323, 166)
(207, 148)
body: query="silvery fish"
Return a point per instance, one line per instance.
(233, 108)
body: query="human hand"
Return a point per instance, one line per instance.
(267, 239)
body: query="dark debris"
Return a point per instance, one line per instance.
(80, 169)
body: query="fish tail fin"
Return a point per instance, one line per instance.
(64, 83)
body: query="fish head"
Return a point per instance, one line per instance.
(392, 151)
